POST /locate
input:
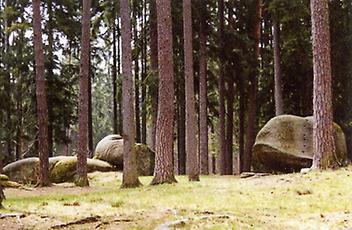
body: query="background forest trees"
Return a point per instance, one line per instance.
(230, 39)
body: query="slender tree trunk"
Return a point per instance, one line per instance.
(120, 76)
(229, 128)
(154, 67)
(323, 139)
(221, 83)
(90, 111)
(144, 74)
(50, 78)
(136, 74)
(130, 173)
(114, 76)
(181, 129)
(82, 179)
(191, 119)
(203, 115)
(163, 171)
(42, 109)
(277, 70)
(241, 124)
(252, 90)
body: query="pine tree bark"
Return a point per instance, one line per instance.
(82, 179)
(191, 119)
(153, 89)
(144, 75)
(130, 173)
(114, 75)
(252, 90)
(203, 115)
(50, 78)
(42, 109)
(164, 171)
(323, 140)
(229, 129)
(221, 85)
(277, 69)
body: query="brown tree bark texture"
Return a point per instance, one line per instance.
(221, 83)
(154, 66)
(203, 123)
(163, 172)
(277, 70)
(42, 109)
(191, 119)
(82, 179)
(323, 141)
(252, 94)
(130, 174)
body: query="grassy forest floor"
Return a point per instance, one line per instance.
(292, 201)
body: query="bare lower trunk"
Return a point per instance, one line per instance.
(191, 119)
(114, 78)
(130, 173)
(252, 91)
(221, 83)
(163, 171)
(323, 140)
(277, 70)
(229, 128)
(154, 66)
(42, 110)
(82, 179)
(203, 116)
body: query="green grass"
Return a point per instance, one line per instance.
(318, 199)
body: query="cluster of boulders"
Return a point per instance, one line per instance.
(108, 156)
(285, 144)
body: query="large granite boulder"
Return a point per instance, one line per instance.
(61, 169)
(110, 149)
(285, 144)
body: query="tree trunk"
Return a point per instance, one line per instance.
(229, 128)
(163, 172)
(42, 109)
(203, 115)
(277, 70)
(114, 76)
(119, 98)
(241, 124)
(90, 111)
(252, 90)
(82, 179)
(154, 67)
(50, 78)
(323, 140)
(136, 74)
(144, 74)
(130, 173)
(181, 128)
(221, 83)
(191, 119)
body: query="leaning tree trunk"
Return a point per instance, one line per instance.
(42, 110)
(277, 70)
(191, 119)
(164, 171)
(323, 140)
(252, 91)
(203, 117)
(130, 173)
(82, 179)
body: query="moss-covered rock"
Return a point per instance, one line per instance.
(65, 170)
(285, 144)
(110, 149)
(61, 169)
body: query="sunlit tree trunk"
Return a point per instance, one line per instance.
(82, 179)
(164, 171)
(323, 140)
(130, 173)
